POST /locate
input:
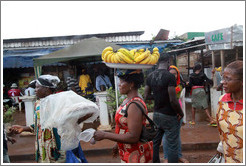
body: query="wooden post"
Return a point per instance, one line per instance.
(236, 53)
(213, 60)
(222, 59)
(175, 59)
(213, 66)
(188, 52)
(202, 60)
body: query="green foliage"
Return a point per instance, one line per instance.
(8, 115)
(149, 104)
(111, 99)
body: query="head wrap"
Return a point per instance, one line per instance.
(123, 72)
(32, 83)
(48, 81)
(178, 78)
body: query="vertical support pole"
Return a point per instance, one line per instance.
(175, 59)
(116, 89)
(222, 59)
(188, 52)
(236, 53)
(202, 60)
(213, 66)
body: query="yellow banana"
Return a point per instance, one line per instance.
(112, 58)
(105, 50)
(141, 50)
(136, 55)
(125, 58)
(109, 57)
(157, 53)
(146, 60)
(151, 61)
(154, 59)
(155, 49)
(118, 58)
(132, 52)
(115, 59)
(106, 55)
(126, 52)
(142, 56)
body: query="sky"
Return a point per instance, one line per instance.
(27, 19)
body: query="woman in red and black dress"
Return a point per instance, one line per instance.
(129, 122)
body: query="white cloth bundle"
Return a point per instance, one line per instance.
(62, 111)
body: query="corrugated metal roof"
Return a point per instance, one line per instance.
(100, 35)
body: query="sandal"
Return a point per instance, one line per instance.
(183, 160)
(213, 124)
(192, 123)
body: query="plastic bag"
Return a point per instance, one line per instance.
(86, 135)
(217, 158)
(62, 111)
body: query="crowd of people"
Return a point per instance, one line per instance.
(164, 86)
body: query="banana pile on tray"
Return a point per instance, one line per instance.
(134, 56)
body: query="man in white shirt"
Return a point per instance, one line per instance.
(102, 81)
(30, 91)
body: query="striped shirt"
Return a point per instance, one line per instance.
(72, 82)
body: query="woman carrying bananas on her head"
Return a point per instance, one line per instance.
(129, 121)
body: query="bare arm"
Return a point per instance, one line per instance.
(17, 129)
(134, 122)
(147, 93)
(174, 101)
(84, 118)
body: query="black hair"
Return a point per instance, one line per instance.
(237, 66)
(32, 84)
(197, 67)
(164, 57)
(137, 79)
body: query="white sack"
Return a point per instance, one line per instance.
(62, 111)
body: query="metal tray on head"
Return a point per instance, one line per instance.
(128, 66)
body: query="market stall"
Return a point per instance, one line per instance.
(226, 46)
(88, 50)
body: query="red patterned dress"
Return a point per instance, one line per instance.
(230, 125)
(132, 153)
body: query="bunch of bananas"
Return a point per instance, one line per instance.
(133, 56)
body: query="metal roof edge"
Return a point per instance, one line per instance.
(99, 35)
(148, 41)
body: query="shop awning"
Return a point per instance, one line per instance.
(87, 50)
(23, 58)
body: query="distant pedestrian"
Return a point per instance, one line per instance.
(85, 83)
(230, 113)
(30, 91)
(14, 91)
(199, 98)
(72, 82)
(167, 111)
(129, 121)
